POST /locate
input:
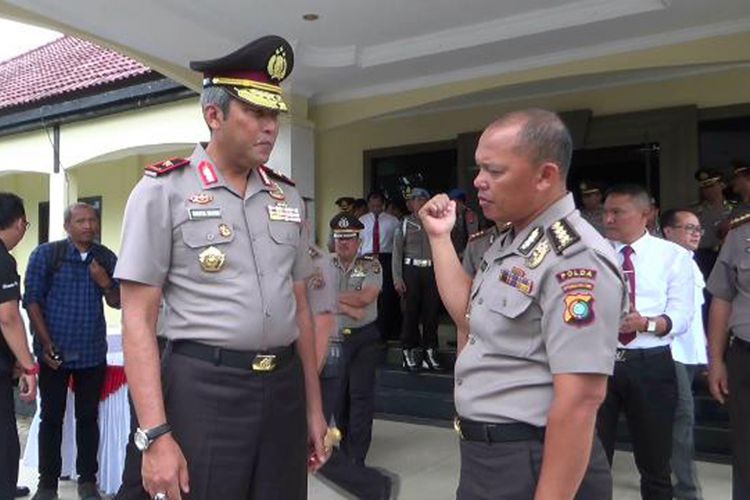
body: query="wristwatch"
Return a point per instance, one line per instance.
(144, 437)
(650, 325)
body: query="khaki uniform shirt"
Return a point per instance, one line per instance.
(323, 283)
(363, 272)
(546, 301)
(730, 279)
(409, 241)
(595, 218)
(711, 220)
(175, 221)
(478, 244)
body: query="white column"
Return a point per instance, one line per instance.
(58, 195)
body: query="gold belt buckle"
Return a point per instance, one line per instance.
(457, 427)
(346, 331)
(264, 363)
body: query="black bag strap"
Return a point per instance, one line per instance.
(57, 256)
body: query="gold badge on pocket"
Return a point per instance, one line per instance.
(212, 260)
(225, 230)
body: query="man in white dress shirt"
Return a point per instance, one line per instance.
(683, 227)
(661, 286)
(377, 240)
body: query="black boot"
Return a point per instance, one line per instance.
(409, 360)
(430, 360)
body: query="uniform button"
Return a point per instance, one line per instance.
(268, 314)
(210, 237)
(459, 381)
(472, 341)
(481, 301)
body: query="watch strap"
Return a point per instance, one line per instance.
(155, 432)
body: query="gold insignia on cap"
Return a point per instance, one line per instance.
(201, 198)
(343, 222)
(277, 65)
(212, 260)
(703, 176)
(538, 254)
(225, 230)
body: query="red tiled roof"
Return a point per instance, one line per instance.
(63, 66)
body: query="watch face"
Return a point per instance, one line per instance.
(141, 440)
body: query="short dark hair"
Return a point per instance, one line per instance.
(376, 194)
(11, 209)
(360, 203)
(543, 135)
(635, 191)
(668, 218)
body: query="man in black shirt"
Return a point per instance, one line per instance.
(14, 351)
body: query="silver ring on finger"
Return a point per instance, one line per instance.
(160, 496)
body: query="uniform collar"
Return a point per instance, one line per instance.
(637, 246)
(206, 170)
(558, 210)
(340, 265)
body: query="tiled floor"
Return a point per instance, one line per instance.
(426, 459)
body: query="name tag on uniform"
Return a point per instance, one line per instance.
(204, 213)
(283, 212)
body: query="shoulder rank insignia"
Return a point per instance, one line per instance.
(561, 236)
(313, 252)
(478, 234)
(538, 254)
(534, 236)
(739, 221)
(166, 166)
(267, 173)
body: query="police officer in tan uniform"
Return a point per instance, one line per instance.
(714, 212)
(729, 346)
(348, 376)
(542, 316)
(221, 235)
(414, 280)
(476, 247)
(593, 209)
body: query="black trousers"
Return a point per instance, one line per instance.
(389, 304)
(350, 400)
(10, 451)
(645, 388)
(243, 433)
(53, 390)
(510, 471)
(738, 373)
(422, 305)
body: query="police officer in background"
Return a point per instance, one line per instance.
(543, 314)
(221, 236)
(414, 280)
(478, 244)
(713, 211)
(729, 346)
(467, 222)
(348, 376)
(592, 199)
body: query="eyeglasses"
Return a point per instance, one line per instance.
(691, 228)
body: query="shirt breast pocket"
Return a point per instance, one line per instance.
(286, 236)
(209, 251)
(516, 330)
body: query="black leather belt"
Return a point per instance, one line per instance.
(266, 361)
(487, 432)
(741, 344)
(629, 354)
(354, 331)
